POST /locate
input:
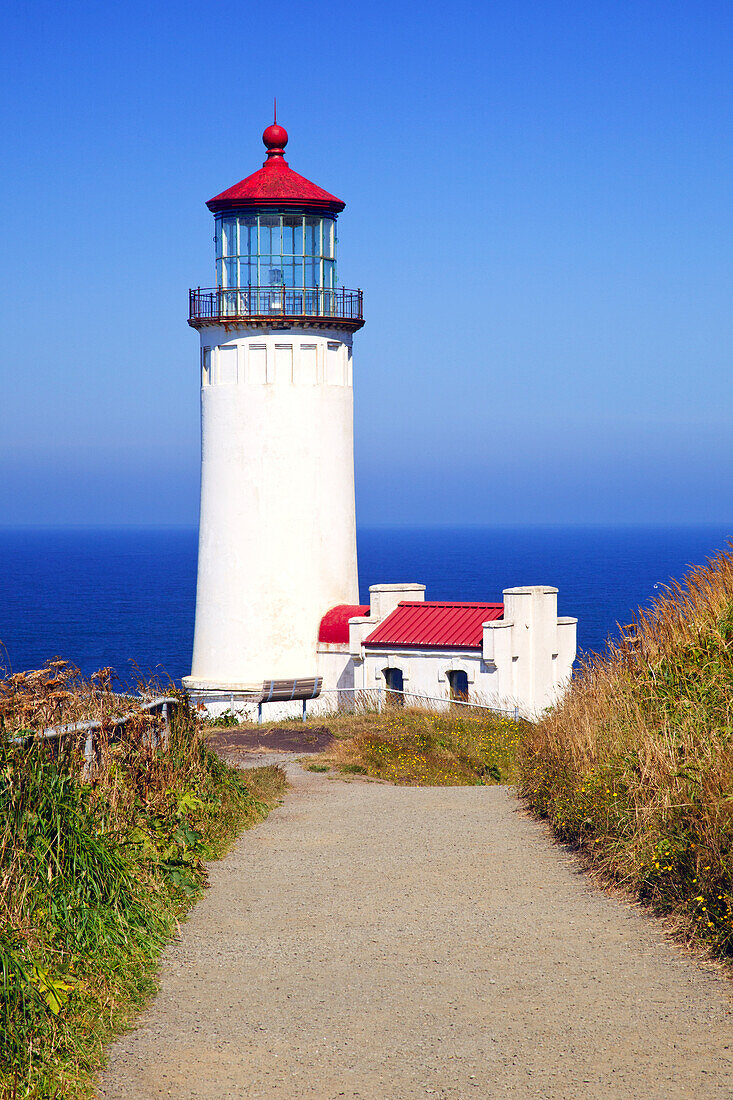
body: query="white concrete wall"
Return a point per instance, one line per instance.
(336, 666)
(384, 598)
(425, 675)
(543, 647)
(277, 538)
(567, 648)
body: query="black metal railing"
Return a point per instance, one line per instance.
(249, 303)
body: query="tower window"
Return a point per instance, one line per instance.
(307, 370)
(334, 365)
(206, 366)
(227, 372)
(257, 364)
(284, 363)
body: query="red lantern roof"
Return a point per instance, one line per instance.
(275, 184)
(442, 625)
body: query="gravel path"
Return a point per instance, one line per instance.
(386, 943)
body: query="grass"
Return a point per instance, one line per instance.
(636, 765)
(97, 867)
(416, 747)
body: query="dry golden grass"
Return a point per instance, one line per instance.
(58, 695)
(636, 764)
(422, 748)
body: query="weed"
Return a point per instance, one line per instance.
(227, 720)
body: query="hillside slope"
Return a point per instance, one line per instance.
(636, 765)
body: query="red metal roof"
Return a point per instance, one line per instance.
(275, 184)
(443, 625)
(334, 626)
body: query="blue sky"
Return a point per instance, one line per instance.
(538, 210)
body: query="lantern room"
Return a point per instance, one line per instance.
(275, 247)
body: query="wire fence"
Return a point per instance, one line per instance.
(353, 701)
(399, 697)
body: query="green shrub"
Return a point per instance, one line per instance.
(97, 865)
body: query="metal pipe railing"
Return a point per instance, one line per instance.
(162, 703)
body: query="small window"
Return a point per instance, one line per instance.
(307, 372)
(334, 365)
(227, 372)
(206, 366)
(257, 364)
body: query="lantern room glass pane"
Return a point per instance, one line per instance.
(291, 225)
(248, 236)
(312, 236)
(273, 268)
(230, 273)
(269, 235)
(328, 238)
(229, 227)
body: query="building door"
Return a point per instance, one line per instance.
(458, 680)
(394, 683)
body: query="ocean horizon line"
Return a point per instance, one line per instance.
(580, 525)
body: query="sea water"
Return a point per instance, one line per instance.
(126, 598)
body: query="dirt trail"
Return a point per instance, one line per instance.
(387, 943)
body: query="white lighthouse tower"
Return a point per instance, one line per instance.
(277, 537)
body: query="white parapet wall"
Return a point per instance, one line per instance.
(277, 540)
(384, 598)
(531, 651)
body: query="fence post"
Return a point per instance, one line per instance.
(304, 714)
(88, 753)
(516, 714)
(259, 713)
(166, 716)
(379, 700)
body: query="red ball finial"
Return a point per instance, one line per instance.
(275, 138)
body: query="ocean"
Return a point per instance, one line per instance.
(125, 597)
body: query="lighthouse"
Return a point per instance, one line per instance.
(277, 534)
